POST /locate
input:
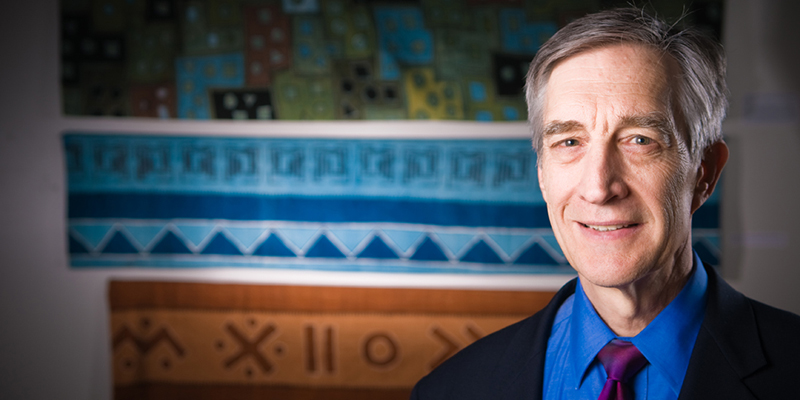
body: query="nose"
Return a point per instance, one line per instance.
(602, 179)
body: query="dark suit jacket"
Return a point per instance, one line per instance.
(744, 350)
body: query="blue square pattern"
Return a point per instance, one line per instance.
(484, 116)
(152, 163)
(510, 113)
(288, 165)
(477, 91)
(242, 165)
(377, 166)
(520, 36)
(194, 75)
(387, 66)
(200, 163)
(111, 162)
(402, 38)
(413, 47)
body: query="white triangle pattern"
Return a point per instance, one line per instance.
(196, 233)
(299, 237)
(351, 238)
(93, 234)
(455, 242)
(246, 236)
(144, 235)
(510, 243)
(404, 239)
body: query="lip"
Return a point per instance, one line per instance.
(608, 230)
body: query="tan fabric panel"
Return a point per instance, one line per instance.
(254, 339)
(135, 294)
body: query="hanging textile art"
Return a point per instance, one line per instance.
(315, 59)
(183, 340)
(413, 206)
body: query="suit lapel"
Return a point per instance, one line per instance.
(727, 350)
(520, 373)
(728, 347)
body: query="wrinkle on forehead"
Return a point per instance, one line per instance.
(627, 69)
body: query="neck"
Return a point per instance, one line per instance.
(627, 309)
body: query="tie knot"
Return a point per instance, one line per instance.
(621, 359)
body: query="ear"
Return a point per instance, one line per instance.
(708, 173)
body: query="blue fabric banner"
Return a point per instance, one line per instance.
(441, 206)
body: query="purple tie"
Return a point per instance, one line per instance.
(622, 361)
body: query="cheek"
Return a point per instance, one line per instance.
(556, 182)
(552, 187)
(671, 195)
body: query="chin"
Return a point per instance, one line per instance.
(611, 272)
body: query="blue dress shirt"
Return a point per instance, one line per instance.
(572, 372)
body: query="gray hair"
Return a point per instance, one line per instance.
(700, 96)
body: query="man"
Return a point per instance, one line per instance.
(626, 115)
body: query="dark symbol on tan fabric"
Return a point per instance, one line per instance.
(326, 351)
(248, 348)
(279, 349)
(145, 344)
(380, 349)
(451, 346)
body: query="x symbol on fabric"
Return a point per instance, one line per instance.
(250, 348)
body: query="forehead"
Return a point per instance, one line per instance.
(618, 72)
(621, 63)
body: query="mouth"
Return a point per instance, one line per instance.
(608, 228)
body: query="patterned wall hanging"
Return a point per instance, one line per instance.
(445, 206)
(315, 59)
(201, 341)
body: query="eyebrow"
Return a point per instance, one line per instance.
(655, 120)
(557, 127)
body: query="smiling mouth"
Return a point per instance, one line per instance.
(607, 228)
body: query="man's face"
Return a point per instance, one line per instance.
(615, 175)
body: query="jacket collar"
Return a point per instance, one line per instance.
(728, 347)
(521, 370)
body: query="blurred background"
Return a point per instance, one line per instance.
(54, 339)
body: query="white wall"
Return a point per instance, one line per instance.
(53, 320)
(761, 222)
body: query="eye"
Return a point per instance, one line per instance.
(642, 140)
(571, 142)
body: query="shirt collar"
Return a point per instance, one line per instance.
(588, 334)
(667, 342)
